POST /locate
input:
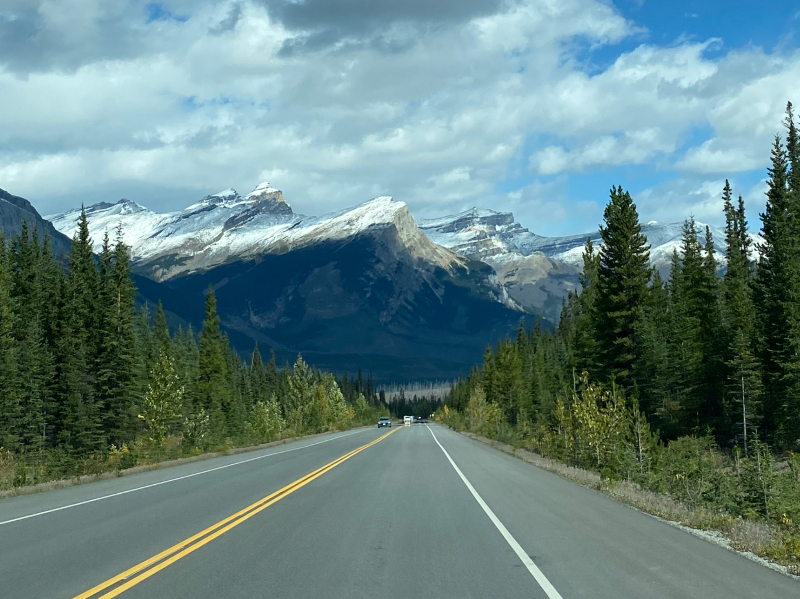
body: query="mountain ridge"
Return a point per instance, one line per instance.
(14, 210)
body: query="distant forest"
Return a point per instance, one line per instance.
(89, 383)
(689, 386)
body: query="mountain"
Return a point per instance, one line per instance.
(14, 210)
(360, 287)
(533, 279)
(219, 228)
(368, 285)
(497, 239)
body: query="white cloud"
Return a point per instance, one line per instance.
(632, 147)
(435, 115)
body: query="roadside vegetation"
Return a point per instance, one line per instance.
(90, 384)
(683, 396)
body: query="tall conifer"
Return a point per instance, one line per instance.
(622, 278)
(213, 389)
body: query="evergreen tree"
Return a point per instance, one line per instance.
(622, 279)
(742, 372)
(162, 337)
(778, 324)
(686, 347)
(80, 412)
(652, 368)
(213, 388)
(257, 377)
(585, 344)
(712, 342)
(10, 408)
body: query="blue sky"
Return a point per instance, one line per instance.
(531, 106)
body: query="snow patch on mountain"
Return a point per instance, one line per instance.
(497, 239)
(226, 226)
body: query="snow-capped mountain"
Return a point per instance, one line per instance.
(498, 240)
(369, 281)
(361, 286)
(532, 278)
(226, 226)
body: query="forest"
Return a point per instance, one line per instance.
(688, 387)
(91, 382)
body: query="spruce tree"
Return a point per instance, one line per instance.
(712, 341)
(257, 377)
(213, 388)
(687, 287)
(652, 369)
(119, 369)
(585, 344)
(162, 336)
(777, 303)
(80, 412)
(10, 408)
(742, 372)
(622, 279)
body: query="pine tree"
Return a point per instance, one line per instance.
(299, 394)
(652, 369)
(80, 412)
(712, 343)
(162, 337)
(687, 280)
(585, 344)
(119, 368)
(622, 278)
(257, 377)
(742, 372)
(213, 389)
(775, 298)
(790, 406)
(10, 408)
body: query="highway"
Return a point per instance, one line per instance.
(415, 511)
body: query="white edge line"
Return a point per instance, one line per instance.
(172, 480)
(547, 587)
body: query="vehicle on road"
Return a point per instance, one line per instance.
(384, 421)
(408, 419)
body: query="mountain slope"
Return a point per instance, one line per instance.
(14, 210)
(533, 279)
(360, 287)
(497, 239)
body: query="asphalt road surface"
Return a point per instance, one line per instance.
(422, 512)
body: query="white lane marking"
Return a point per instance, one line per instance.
(547, 587)
(172, 480)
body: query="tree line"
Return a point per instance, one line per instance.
(89, 381)
(642, 377)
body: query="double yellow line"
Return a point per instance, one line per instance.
(133, 576)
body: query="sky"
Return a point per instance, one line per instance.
(532, 106)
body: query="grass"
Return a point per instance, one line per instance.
(7, 469)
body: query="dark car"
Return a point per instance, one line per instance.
(384, 421)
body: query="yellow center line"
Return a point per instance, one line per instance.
(169, 556)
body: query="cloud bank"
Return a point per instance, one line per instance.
(532, 106)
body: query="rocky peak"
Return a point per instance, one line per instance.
(268, 200)
(228, 195)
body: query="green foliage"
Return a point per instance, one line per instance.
(88, 383)
(622, 279)
(213, 390)
(163, 401)
(265, 423)
(697, 388)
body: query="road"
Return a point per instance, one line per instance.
(422, 512)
